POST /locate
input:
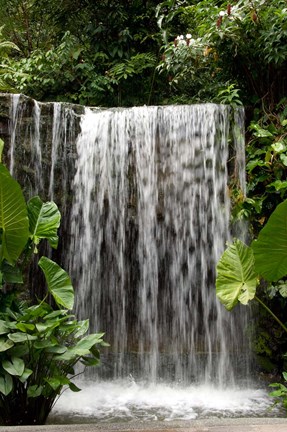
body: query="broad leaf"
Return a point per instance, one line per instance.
(59, 283)
(47, 326)
(21, 337)
(73, 354)
(56, 349)
(90, 340)
(236, 278)
(44, 343)
(56, 314)
(73, 387)
(24, 327)
(82, 348)
(83, 327)
(25, 375)
(5, 344)
(6, 384)
(44, 220)
(13, 217)
(57, 382)
(14, 367)
(270, 250)
(3, 327)
(34, 391)
(90, 361)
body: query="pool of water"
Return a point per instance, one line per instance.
(124, 401)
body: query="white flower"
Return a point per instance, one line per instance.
(222, 13)
(188, 36)
(181, 37)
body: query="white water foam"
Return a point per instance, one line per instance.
(124, 400)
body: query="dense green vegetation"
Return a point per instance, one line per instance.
(40, 343)
(78, 52)
(241, 269)
(124, 53)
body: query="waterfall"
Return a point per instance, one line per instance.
(144, 198)
(150, 218)
(145, 208)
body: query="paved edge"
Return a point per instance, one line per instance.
(208, 425)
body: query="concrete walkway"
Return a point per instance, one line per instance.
(210, 425)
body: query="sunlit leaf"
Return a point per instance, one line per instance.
(44, 220)
(270, 249)
(5, 344)
(236, 279)
(59, 283)
(13, 217)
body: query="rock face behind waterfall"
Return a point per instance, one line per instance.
(144, 199)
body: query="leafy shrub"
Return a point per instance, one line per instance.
(39, 344)
(242, 43)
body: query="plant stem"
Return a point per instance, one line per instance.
(271, 313)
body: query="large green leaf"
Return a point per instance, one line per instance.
(3, 327)
(82, 348)
(6, 384)
(44, 219)
(34, 391)
(47, 327)
(82, 328)
(236, 279)
(59, 283)
(20, 337)
(270, 250)
(13, 217)
(14, 367)
(57, 382)
(5, 344)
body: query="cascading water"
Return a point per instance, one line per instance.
(151, 217)
(146, 215)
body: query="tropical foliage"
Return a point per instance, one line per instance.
(241, 266)
(76, 52)
(39, 344)
(236, 43)
(244, 271)
(133, 52)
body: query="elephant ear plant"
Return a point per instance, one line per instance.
(241, 268)
(39, 344)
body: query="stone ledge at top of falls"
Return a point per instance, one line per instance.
(22, 106)
(6, 99)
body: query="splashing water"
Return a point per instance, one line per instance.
(127, 401)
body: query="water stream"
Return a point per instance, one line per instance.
(150, 215)
(146, 215)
